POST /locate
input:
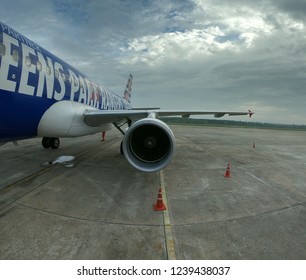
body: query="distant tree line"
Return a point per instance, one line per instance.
(208, 122)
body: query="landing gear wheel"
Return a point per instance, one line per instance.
(54, 143)
(45, 142)
(121, 148)
(49, 142)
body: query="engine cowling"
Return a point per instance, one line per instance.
(149, 145)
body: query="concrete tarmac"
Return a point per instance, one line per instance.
(101, 208)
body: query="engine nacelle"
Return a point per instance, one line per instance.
(149, 145)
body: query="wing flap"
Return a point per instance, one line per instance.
(96, 118)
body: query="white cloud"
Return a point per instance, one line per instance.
(181, 46)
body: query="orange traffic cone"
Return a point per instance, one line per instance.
(228, 171)
(159, 206)
(103, 136)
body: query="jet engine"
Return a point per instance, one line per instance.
(149, 145)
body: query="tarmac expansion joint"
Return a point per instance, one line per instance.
(169, 241)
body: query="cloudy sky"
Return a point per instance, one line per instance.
(184, 54)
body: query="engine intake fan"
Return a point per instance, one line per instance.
(149, 145)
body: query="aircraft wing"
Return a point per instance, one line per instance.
(97, 117)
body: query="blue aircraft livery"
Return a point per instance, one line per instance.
(41, 95)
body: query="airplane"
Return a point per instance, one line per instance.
(43, 96)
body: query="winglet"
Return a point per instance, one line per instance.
(251, 113)
(128, 89)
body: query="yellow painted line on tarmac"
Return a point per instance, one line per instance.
(167, 223)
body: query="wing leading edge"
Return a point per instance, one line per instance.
(97, 117)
